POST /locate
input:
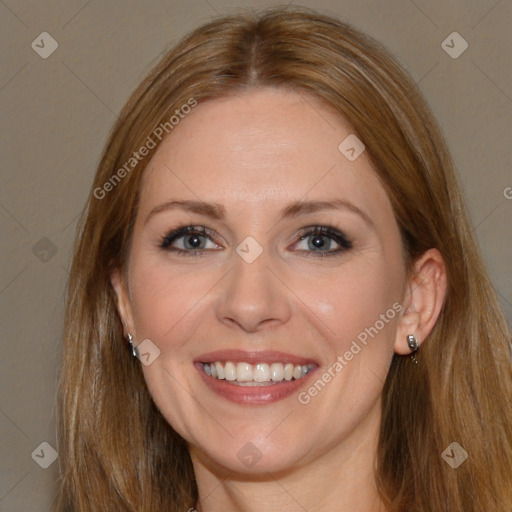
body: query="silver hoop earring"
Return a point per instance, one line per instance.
(133, 348)
(413, 346)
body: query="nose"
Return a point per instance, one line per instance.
(254, 295)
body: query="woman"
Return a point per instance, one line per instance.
(276, 232)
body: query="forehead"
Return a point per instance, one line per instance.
(260, 147)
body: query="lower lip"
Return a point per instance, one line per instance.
(253, 395)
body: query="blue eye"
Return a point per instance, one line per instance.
(194, 239)
(192, 243)
(321, 237)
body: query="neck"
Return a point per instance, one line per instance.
(342, 479)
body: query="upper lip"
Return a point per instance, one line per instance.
(253, 357)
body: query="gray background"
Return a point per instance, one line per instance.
(56, 113)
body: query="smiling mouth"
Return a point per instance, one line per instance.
(260, 374)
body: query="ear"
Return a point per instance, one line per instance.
(424, 298)
(124, 309)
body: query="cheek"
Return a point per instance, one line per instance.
(359, 306)
(165, 306)
(168, 306)
(354, 299)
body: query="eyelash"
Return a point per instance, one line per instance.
(334, 234)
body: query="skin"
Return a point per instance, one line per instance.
(255, 153)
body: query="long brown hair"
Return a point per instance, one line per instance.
(118, 453)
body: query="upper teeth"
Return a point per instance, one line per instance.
(261, 372)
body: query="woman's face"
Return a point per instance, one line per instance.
(289, 282)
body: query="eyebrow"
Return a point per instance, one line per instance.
(217, 211)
